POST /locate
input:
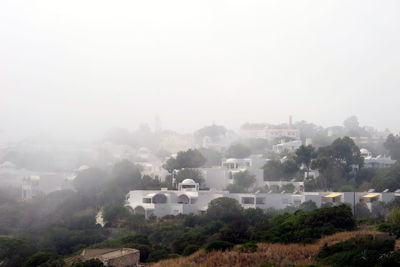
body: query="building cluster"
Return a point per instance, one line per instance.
(189, 199)
(265, 131)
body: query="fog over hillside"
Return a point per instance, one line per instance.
(75, 69)
(252, 133)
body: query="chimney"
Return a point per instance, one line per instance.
(290, 121)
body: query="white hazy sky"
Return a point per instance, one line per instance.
(80, 67)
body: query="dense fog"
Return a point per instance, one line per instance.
(75, 69)
(144, 131)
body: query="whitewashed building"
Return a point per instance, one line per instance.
(274, 133)
(376, 162)
(188, 199)
(290, 146)
(30, 187)
(219, 177)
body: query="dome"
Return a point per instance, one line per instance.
(83, 167)
(231, 161)
(7, 165)
(188, 182)
(364, 151)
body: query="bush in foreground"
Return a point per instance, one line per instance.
(219, 245)
(364, 251)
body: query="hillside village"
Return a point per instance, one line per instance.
(267, 169)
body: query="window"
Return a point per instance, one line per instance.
(247, 200)
(188, 186)
(260, 200)
(183, 199)
(146, 200)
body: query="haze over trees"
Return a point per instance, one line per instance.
(392, 144)
(191, 158)
(215, 132)
(238, 151)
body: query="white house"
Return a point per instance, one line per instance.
(273, 133)
(30, 187)
(219, 177)
(376, 162)
(188, 199)
(290, 146)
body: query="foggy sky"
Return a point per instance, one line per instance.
(79, 67)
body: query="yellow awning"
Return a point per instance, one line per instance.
(333, 195)
(371, 195)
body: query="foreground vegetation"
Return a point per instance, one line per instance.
(226, 224)
(277, 254)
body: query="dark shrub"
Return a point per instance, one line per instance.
(190, 249)
(365, 251)
(219, 245)
(249, 247)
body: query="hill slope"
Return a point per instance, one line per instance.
(280, 254)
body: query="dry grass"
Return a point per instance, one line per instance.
(281, 254)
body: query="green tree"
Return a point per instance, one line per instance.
(289, 169)
(275, 170)
(218, 245)
(272, 170)
(387, 179)
(352, 126)
(14, 252)
(392, 144)
(357, 252)
(215, 132)
(345, 153)
(114, 214)
(213, 157)
(224, 208)
(320, 164)
(89, 182)
(361, 210)
(244, 179)
(41, 258)
(187, 173)
(308, 206)
(394, 216)
(191, 158)
(126, 175)
(305, 154)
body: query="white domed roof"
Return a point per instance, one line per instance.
(364, 151)
(8, 165)
(188, 182)
(83, 167)
(231, 160)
